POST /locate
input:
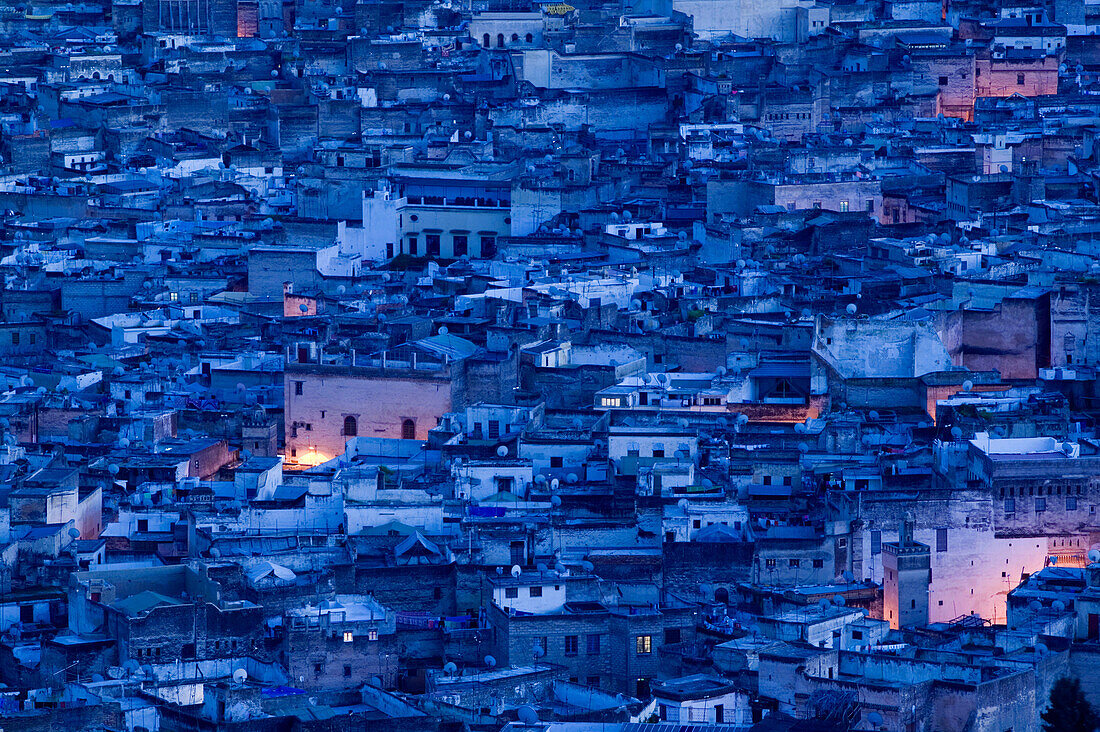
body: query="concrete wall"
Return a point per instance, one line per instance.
(380, 401)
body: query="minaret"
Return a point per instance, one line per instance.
(907, 575)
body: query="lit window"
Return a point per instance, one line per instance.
(348, 636)
(644, 644)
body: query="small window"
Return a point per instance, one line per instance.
(941, 540)
(943, 81)
(348, 636)
(571, 645)
(643, 644)
(769, 563)
(351, 427)
(1020, 79)
(347, 671)
(857, 635)
(1071, 503)
(819, 563)
(1040, 504)
(536, 592)
(511, 592)
(592, 644)
(298, 388)
(15, 338)
(1010, 505)
(844, 206)
(793, 563)
(556, 461)
(408, 430)
(658, 453)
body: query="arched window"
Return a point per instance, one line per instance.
(722, 595)
(408, 430)
(485, 41)
(515, 37)
(529, 38)
(351, 427)
(500, 40)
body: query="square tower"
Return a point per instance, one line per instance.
(907, 574)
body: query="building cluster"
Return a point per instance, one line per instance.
(426, 365)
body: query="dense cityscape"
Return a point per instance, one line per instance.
(505, 365)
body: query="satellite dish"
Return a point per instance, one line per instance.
(516, 570)
(490, 661)
(74, 532)
(527, 714)
(502, 451)
(1094, 555)
(500, 571)
(555, 501)
(1058, 606)
(875, 719)
(1034, 606)
(240, 675)
(450, 668)
(838, 600)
